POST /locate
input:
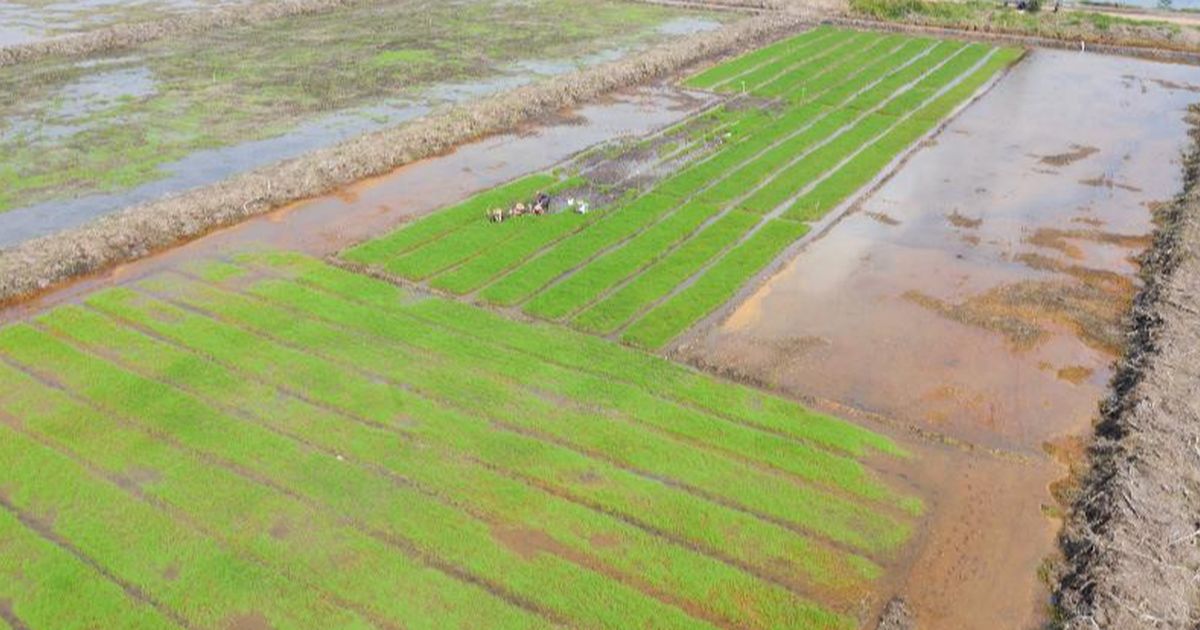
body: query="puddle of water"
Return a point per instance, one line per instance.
(24, 22)
(76, 102)
(974, 296)
(371, 208)
(962, 219)
(687, 26)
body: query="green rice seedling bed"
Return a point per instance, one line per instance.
(448, 350)
(731, 69)
(611, 267)
(829, 46)
(581, 352)
(531, 237)
(528, 278)
(810, 80)
(795, 177)
(854, 101)
(45, 586)
(610, 313)
(608, 439)
(189, 573)
(395, 302)
(184, 482)
(438, 224)
(955, 67)
(172, 449)
(440, 470)
(715, 287)
(911, 52)
(903, 78)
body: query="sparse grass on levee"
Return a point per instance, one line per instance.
(276, 439)
(1072, 24)
(823, 113)
(71, 128)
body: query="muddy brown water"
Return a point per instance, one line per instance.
(975, 300)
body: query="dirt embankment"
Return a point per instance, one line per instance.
(795, 6)
(121, 36)
(1110, 44)
(137, 231)
(1133, 539)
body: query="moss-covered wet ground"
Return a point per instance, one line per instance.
(110, 123)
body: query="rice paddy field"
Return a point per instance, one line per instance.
(414, 455)
(466, 424)
(809, 121)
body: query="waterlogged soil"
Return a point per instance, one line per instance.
(325, 225)
(23, 21)
(82, 138)
(976, 301)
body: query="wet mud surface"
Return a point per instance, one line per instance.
(32, 20)
(324, 225)
(977, 300)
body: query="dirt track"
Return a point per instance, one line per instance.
(1134, 541)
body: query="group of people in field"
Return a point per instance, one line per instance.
(539, 206)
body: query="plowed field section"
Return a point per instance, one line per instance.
(273, 442)
(808, 122)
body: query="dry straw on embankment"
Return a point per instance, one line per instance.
(1133, 540)
(139, 230)
(1158, 50)
(121, 36)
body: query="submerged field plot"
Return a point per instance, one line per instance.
(84, 137)
(276, 440)
(809, 120)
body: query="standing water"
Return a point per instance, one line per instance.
(978, 296)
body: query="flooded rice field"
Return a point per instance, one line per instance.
(325, 225)
(976, 298)
(84, 138)
(23, 21)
